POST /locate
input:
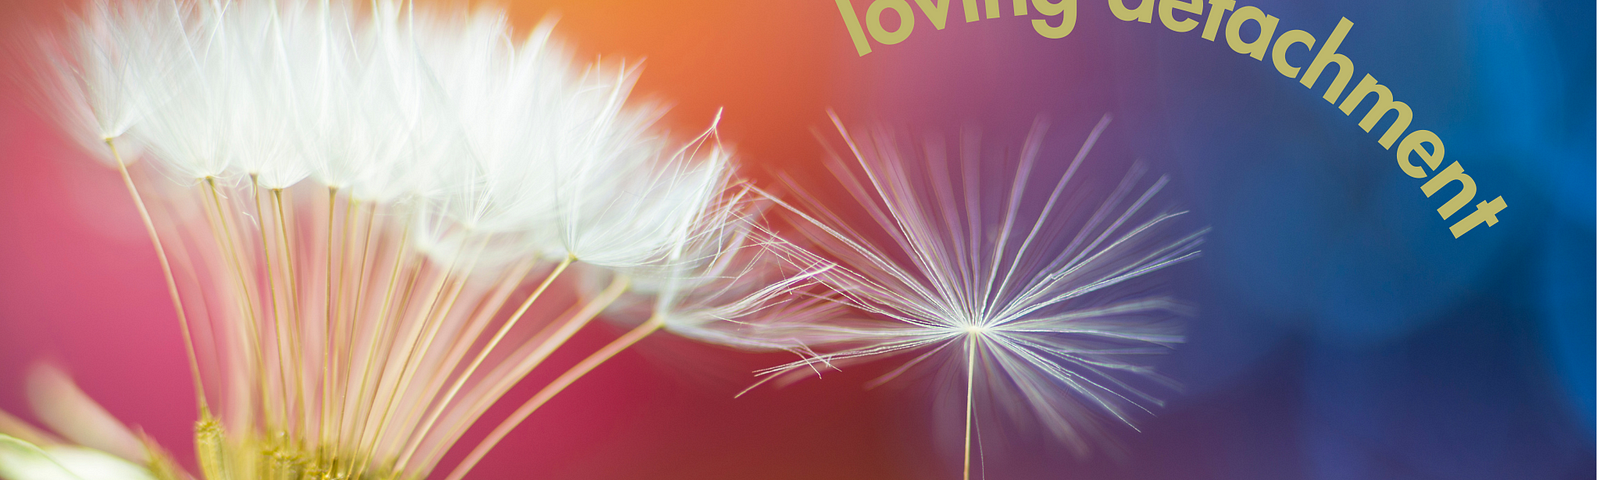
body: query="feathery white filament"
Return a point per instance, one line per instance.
(97, 70)
(1023, 303)
(382, 195)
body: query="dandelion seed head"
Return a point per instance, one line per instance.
(1030, 299)
(376, 191)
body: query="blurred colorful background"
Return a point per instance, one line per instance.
(1341, 333)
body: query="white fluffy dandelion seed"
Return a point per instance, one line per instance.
(96, 72)
(381, 193)
(707, 280)
(1022, 297)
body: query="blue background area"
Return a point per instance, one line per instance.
(1344, 333)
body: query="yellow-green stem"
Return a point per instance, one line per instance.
(294, 311)
(483, 354)
(358, 426)
(327, 319)
(403, 378)
(224, 238)
(972, 360)
(166, 270)
(272, 295)
(596, 306)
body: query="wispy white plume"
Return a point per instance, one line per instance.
(722, 280)
(709, 280)
(382, 196)
(95, 73)
(1026, 297)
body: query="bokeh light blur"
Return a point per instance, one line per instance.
(1341, 333)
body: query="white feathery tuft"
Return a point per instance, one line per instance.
(621, 221)
(93, 70)
(1027, 304)
(721, 280)
(382, 196)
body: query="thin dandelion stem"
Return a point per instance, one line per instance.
(344, 253)
(396, 316)
(358, 426)
(548, 279)
(972, 361)
(272, 295)
(441, 315)
(480, 402)
(356, 319)
(483, 354)
(366, 253)
(355, 316)
(189, 252)
(186, 253)
(224, 237)
(481, 315)
(294, 310)
(594, 308)
(506, 328)
(336, 300)
(327, 371)
(166, 271)
(375, 426)
(418, 341)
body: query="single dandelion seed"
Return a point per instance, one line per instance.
(1022, 293)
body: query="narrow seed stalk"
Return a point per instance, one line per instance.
(594, 307)
(966, 449)
(166, 272)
